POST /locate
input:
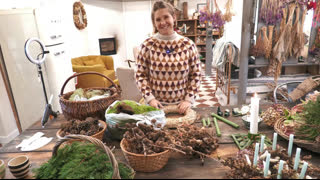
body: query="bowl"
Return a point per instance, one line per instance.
(247, 123)
(19, 166)
(2, 169)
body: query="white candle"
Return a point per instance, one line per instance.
(303, 170)
(290, 145)
(297, 159)
(280, 169)
(254, 114)
(262, 143)
(248, 159)
(274, 142)
(256, 154)
(266, 167)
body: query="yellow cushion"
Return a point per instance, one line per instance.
(92, 62)
(97, 68)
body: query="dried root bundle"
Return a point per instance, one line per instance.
(187, 139)
(145, 140)
(192, 139)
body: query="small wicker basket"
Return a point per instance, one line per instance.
(306, 86)
(98, 135)
(312, 146)
(84, 109)
(142, 163)
(173, 122)
(97, 142)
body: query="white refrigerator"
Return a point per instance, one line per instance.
(17, 26)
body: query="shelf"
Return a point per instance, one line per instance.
(188, 35)
(206, 35)
(284, 64)
(187, 20)
(266, 79)
(202, 44)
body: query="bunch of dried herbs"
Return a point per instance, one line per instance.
(80, 161)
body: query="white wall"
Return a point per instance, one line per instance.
(105, 19)
(137, 24)
(232, 29)
(8, 127)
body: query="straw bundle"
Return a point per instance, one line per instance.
(259, 48)
(300, 38)
(280, 50)
(229, 12)
(269, 42)
(294, 46)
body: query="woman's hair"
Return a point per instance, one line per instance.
(161, 5)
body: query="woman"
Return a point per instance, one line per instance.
(168, 65)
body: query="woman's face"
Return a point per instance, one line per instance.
(164, 21)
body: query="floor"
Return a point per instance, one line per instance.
(207, 96)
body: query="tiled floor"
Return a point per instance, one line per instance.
(207, 91)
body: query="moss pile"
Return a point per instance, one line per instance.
(80, 161)
(137, 109)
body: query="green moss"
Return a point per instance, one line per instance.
(80, 161)
(138, 109)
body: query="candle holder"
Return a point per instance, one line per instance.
(243, 141)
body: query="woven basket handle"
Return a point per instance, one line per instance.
(95, 141)
(316, 79)
(84, 73)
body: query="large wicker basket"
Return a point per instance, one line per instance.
(97, 142)
(142, 163)
(172, 122)
(98, 135)
(312, 146)
(84, 109)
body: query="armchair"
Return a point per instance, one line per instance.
(100, 64)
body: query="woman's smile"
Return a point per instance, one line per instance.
(164, 21)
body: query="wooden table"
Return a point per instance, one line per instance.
(178, 166)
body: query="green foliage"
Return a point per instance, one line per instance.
(309, 121)
(138, 109)
(79, 161)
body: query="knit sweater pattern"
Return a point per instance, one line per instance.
(168, 70)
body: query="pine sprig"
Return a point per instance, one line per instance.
(79, 161)
(309, 121)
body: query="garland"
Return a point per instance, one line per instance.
(79, 12)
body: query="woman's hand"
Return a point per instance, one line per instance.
(155, 103)
(184, 106)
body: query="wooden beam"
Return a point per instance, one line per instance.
(209, 55)
(247, 15)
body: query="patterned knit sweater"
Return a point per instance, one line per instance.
(168, 69)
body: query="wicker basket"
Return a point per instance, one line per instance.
(84, 109)
(173, 122)
(142, 163)
(304, 87)
(97, 142)
(312, 146)
(98, 135)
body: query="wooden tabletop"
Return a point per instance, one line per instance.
(178, 165)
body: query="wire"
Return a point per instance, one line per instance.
(40, 54)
